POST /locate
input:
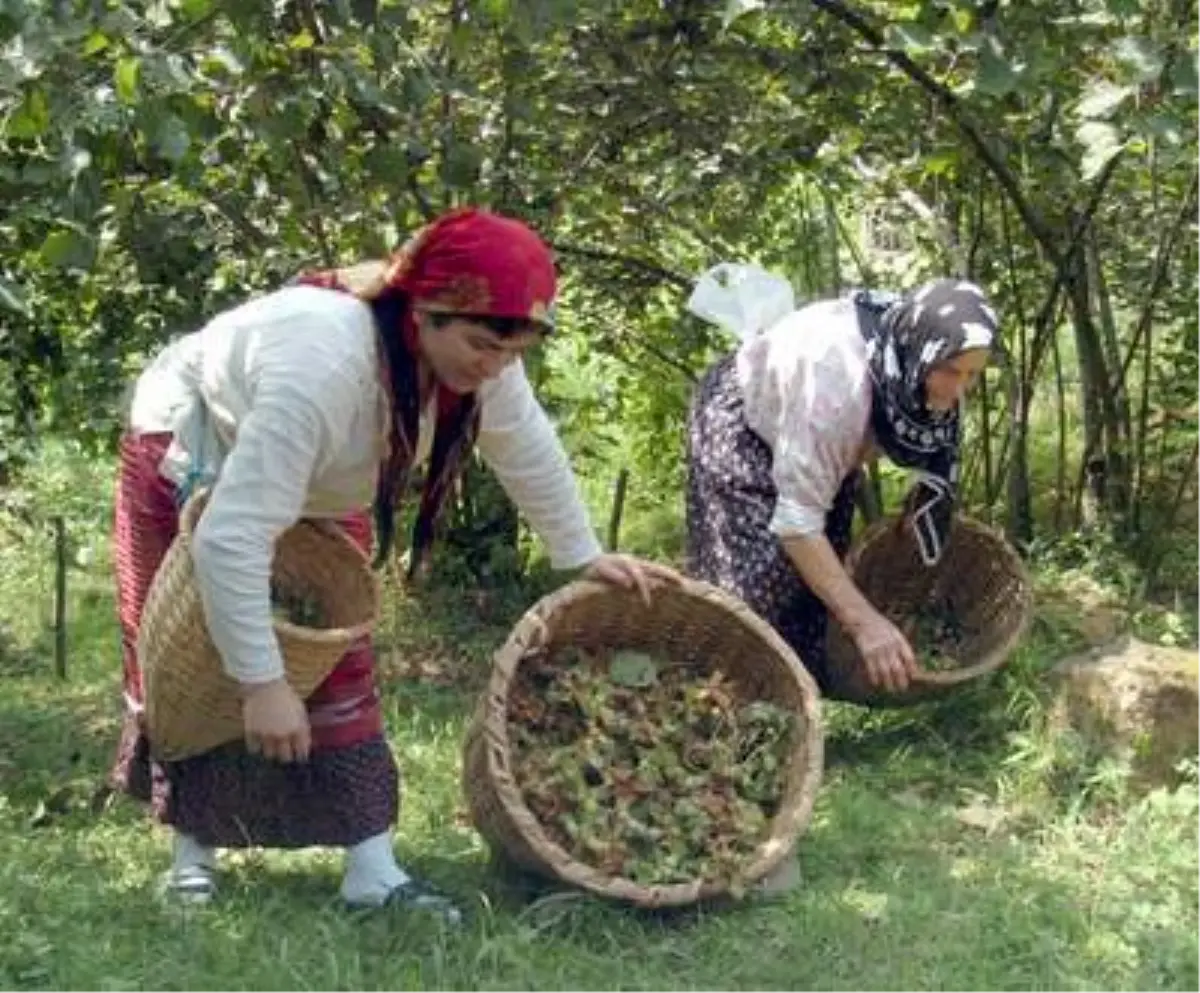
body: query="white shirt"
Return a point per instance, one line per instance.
(807, 391)
(279, 399)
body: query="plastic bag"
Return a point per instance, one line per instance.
(743, 299)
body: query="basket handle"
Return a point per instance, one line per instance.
(539, 635)
(327, 527)
(193, 507)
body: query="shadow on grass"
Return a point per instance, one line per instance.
(891, 898)
(968, 735)
(56, 744)
(963, 737)
(435, 644)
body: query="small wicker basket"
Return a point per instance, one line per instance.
(192, 705)
(691, 622)
(980, 576)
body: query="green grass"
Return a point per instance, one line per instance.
(906, 883)
(953, 846)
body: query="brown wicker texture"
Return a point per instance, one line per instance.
(692, 622)
(191, 704)
(980, 576)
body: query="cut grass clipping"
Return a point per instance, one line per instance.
(660, 773)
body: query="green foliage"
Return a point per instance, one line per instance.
(161, 161)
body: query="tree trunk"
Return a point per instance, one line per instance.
(1019, 525)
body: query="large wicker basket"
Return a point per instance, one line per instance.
(191, 704)
(980, 576)
(690, 622)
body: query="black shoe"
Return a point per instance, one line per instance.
(420, 896)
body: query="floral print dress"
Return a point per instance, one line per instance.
(776, 434)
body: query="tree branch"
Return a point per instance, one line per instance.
(1162, 261)
(1062, 276)
(378, 123)
(312, 188)
(257, 238)
(1041, 231)
(655, 352)
(1157, 282)
(932, 219)
(660, 273)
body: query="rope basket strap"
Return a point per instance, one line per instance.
(693, 622)
(980, 578)
(192, 704)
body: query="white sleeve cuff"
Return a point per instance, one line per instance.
(575, 552)
(794, 520)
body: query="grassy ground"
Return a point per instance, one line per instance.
(952, 846)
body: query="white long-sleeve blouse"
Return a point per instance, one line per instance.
(278, 400)
(807, 391)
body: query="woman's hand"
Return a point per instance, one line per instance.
(631, 573)
(276, 723)
(888, 656)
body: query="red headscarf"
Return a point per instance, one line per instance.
(467, 261)
(470, 262)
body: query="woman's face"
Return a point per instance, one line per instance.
(463, 354)
(949, 382)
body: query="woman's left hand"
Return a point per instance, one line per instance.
(631, 573)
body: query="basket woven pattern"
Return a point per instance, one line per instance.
(980, 576)
(191, 704)
(692, 622)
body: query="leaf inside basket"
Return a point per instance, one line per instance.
(936, 631)
(296, 605)
(655, 771)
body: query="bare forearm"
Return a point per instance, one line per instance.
(823, 573)
(886, 656)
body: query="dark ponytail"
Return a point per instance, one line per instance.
(456, 432)
(389, 311)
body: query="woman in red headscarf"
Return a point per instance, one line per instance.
(318, 400)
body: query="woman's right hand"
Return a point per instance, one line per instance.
(276, 721)
(886, 653)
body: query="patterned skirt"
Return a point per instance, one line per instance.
(347, 791)
(730, 501)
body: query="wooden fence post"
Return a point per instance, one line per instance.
(60, 597)
(618, 509)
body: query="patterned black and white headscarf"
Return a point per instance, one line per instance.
(906, 337)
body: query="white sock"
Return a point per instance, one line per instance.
(371, 871)
(192, 865)
(190, 855)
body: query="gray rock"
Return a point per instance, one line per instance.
(1134, 700)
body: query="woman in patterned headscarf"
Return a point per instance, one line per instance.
(779, 429)
(320, 399)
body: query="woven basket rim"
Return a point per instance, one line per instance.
(1013, 563)
(529, 636)
(189, 516)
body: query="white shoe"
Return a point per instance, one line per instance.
(194, 885)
